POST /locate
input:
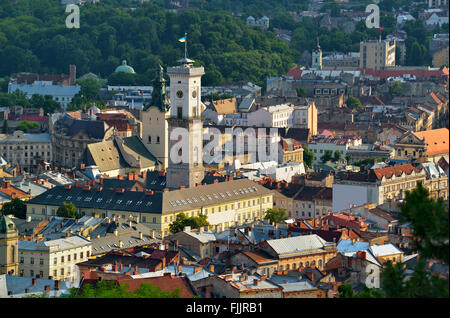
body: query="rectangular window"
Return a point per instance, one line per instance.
(41, 261)
(32, 260)
(55, 261)
(81, 255)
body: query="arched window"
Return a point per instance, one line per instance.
(300, 264)
(294, 266)
(157, 139)
(320, 263)
(313, 263)
(307, 264)
(287, 267)
(281, 267)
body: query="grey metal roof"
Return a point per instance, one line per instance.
(297, 244)
(17, 286)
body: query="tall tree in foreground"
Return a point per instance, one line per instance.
(429, 219)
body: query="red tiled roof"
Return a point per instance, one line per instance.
(345, 220)
(436, 139)
(388, 172)
(396, 73)
(167, 283)
(295, 72)
(382, 214)
(258, 256)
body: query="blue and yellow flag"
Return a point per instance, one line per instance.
(183, 39)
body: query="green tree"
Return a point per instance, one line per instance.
(111, 289)
(348, 157)
(276, 215)
(353, 103)
(396, 88)
(308, 156)
(182, 221)
(68, 210)
(301, 92)
(15, 207)
(429, 218)
(327, 156)
(26, 126)
(337, 156)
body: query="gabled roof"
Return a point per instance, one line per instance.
(384, 250)
(297, 244)
(437, 140)
(388, 172)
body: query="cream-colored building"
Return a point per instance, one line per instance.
(377, 54)
(155, 131)
(54, 258)
(225, 204)
(26, 150)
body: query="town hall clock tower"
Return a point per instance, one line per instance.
(185, 113)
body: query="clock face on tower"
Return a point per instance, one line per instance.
(179, 94)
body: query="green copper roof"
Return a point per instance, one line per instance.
(6, 224)
(125, 68)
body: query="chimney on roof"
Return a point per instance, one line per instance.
(114, 268)
(255, 281)
(180, 269)
(163, 262)
(197, 269)
(233, 269)
(120, 266)
(182, 187)
(27, 290)
(33, 281)
(119, 177)
(57, 284)
(211, 268)
(47, 287)
(166, 190)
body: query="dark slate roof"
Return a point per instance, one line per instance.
(299, 134)
(112, 183)
(93, 128)
(158, 202)
(104, 200)
(155, 181)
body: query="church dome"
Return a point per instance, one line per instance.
(125, 68)
(6, 225)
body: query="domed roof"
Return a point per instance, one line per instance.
(6, 224)
(124, 68)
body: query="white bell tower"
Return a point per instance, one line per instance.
(185, 112)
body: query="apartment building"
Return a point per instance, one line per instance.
(26, 150)
(54, 258)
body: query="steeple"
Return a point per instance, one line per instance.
(159, 95)
(317, 56)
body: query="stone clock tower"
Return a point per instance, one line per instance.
(9, 247)
(185, 114)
